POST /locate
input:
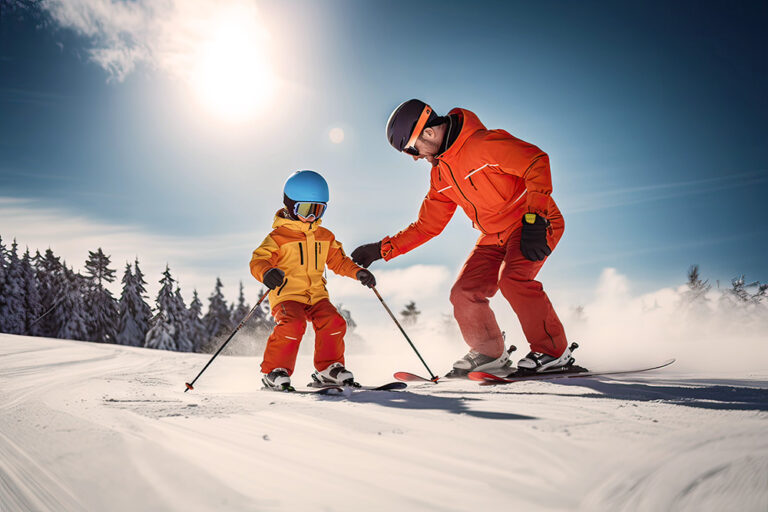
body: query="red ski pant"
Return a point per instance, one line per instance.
(490, 268)
(291, 318)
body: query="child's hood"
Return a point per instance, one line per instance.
(283, 220)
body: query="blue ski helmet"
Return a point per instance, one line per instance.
(306, 186)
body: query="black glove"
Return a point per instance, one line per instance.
(365, 277)
(533, 239)
(273, 278)
(367, 254)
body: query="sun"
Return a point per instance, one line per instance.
(231, 75)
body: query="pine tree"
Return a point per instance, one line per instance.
(13, 315)
(70, 308)
(196, 327)
(50, 279)
(32, 303)
(183, 339)
(144, 314)
(241, 309)
(160, 335)
(163, 331)
(410, 314)
(129, 331)
(100, 304)
(696, 294)
(3, 272)
(217, 318)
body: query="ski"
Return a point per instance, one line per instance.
(327, 390)
(389, 386)
(571, 372)
(412, 377)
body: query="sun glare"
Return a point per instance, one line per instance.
(232, 76)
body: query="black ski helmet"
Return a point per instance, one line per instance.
(403, 120)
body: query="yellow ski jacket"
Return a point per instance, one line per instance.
(301, 250)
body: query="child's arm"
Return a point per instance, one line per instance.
(264, 258)
(339, 262)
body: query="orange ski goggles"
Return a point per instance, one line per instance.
(410, 147)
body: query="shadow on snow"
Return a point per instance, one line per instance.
(409, 400)
(703, 396)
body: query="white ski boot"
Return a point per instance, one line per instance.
(277, 379)
(536, 362)
(474, 361)
(335, 374)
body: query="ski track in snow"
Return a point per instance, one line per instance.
(87, 426)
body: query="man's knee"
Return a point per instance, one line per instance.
(514, 288)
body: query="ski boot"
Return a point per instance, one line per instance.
(536, 362)
(278, 380)
(474, 361)
(334, 375)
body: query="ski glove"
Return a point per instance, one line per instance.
(365, 277)
(273, 278)
(533, 239)
(367, 254)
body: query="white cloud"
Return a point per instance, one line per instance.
(218, 48)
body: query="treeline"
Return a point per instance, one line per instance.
(741, 294)
(40, 295)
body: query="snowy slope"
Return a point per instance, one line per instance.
(99, 427)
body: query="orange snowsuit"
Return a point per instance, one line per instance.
(495, 178)
(302, 250)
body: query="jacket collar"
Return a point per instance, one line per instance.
(469, 125)
(283, 220)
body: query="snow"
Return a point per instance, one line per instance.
(87, 426)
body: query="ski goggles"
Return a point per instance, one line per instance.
(410, 147)
(309, 211)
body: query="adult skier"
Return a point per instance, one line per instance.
(503, 185)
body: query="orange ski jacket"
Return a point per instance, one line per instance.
(494, 177)
(301, 250)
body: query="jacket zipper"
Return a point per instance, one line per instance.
(316, 251)
(281, 288)
(301, 253)
(477, 220)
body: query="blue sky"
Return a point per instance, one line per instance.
(654, 115)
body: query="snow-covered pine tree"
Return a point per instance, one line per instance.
(164, 322)
(195, 326)
(183, 338)
(3, 269)
(13, 315)
(32, 304)
(101, 305)
(50, 280)
(217, 318)
(696, 293)
(129, 332)
(70, 311)
(144, 315)
(160, 335)
(241, 308)
(410, 314)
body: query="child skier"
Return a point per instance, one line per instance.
(290, 262)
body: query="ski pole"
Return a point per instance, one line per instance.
(432, 376)
(240, 325)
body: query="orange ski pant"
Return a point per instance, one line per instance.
(490, 268)
(291, 317)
